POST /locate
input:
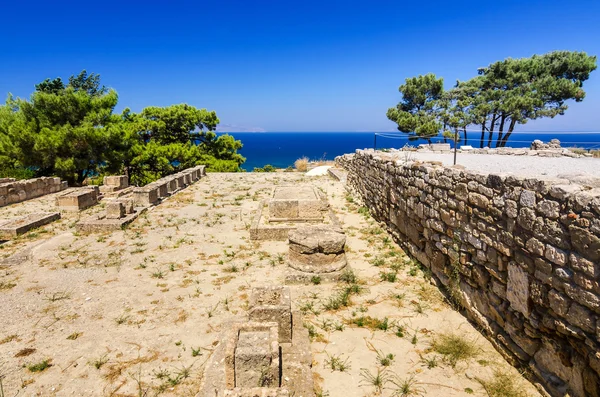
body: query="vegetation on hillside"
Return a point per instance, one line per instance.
(502, 95)
(71, 131)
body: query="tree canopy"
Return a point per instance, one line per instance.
(71, 131)
(504, 94)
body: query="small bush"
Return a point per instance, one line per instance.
(17, 173)
(301, 164)
(266, 168)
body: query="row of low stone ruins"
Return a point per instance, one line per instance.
(124, 203)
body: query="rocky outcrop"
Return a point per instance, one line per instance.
(521, 255)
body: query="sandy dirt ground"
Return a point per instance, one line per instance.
(137, 312)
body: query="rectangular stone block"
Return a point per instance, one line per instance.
(517, 289)
(19, 226)
(180, 181)
(163, 188)
(145, 196)
(273, 304)
(128, 204)
(172, 185)
(255, 364)
(115, 210)
(79, 199)
(187, 175)
(440, 146)
(117, 182)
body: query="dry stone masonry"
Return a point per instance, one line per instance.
(12, 191)
(266, 356)
(521, 255)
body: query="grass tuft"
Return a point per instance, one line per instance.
(455, 348)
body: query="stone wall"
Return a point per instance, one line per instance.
(522, 256)
(16, 191)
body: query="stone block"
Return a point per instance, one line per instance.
(517, 291)
(317, 249)
(145, 196)
(273, 304)
(21, 225)
(117, 182)
(163, 188)
(78, 199)
(115, 210)
(172, 185)
(440, 146)
(256, 358)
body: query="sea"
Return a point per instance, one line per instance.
(281, 149)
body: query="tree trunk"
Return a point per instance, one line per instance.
(491, 133)
(466, 138)
(482, 134)
(501, 130)
(511, 128)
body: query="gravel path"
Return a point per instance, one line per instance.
(519, 165)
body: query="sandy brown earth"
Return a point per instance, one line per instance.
(138, 312)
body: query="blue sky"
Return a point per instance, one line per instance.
(289, 65)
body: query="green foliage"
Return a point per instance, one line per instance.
(70, 131)
(416, 113)
(504, 94)
(266, 168)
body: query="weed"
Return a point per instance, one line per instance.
(57, 296)
(415, 339)
(74, 335)
(122, 319)
(9, 338)
(158, 274)
(430, 362)
(378, 261)
(405, 387)
(388, 276)
(502, 384)
(99, 362)
(232, 269)
(384, 359)
(211, 310)
(316, 280)
(364, 211)
(455, 348)
(196, 352)
(349, 277)
(39, 367)
(400, 330)
(383, 325)
(377, 380)
(336, 363)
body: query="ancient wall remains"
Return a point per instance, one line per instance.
(521, 255)
(12, 191)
